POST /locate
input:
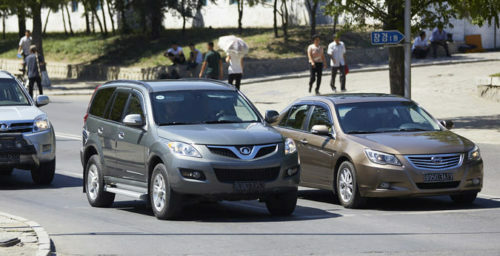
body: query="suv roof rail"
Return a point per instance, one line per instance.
(148, 86)
(136, 82)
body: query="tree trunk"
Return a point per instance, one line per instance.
(156, 18)
(395, 11)
(312, 14)
(46, 22)
(92, 22)
(240, 16)
(335, 21)
(69, 19)
(183, 24)
(63, 20)
(111, 16)
(3, 25)
(275, 18)
(21, 19)
(87, 19)
(104, 17)
(94, 11)
(36, 12)
(284, 19)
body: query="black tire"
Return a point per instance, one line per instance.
(168, 204)
(465, 198)
(354, 200)
(282, 204)
(94, 184)
(44, 174)
(6, 171)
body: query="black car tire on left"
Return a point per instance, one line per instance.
(44, 174)
(6, 171)
(282, 204)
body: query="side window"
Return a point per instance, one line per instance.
(134, 106)
(296, 117)
(118, 106)
(320, 116)
(100, 101)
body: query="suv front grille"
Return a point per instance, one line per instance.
(223, 152)
(436, 162)
(235, 152)
(438, 185)
(233, 175)
(21, 127)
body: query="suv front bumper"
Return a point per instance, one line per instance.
(26, 150)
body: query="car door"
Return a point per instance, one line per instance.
(130, 144)
(318, 150)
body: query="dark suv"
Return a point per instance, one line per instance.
(170, 141)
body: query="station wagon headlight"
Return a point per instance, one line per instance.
(183, 149)
(382, 158)
(41, 123)
(474, 154)
(290, 146)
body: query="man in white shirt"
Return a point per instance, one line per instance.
(420, 47)
(24, 47)
(336, 51)
(175, 54)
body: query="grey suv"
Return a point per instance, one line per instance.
(170, 142)
(27, 139)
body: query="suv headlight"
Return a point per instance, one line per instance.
(183, 149)
(41, 123)
(382, 158)
(474, 154)
(290, 146)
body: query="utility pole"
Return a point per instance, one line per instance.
(407, 49)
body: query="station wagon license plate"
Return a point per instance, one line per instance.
(9, 158)
(248, 187)
(438, 177)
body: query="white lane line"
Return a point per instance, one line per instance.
(490, 196)
(71, 174)
(68, 136)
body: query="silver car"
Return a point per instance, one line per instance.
(179, 141)
(27, 139)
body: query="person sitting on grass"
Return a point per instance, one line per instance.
(175, 54)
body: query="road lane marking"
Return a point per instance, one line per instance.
(68, 136)
(71, 174)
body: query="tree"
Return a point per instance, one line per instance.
(425, 14)
(283, 12)
(241, 5)
(312, 8)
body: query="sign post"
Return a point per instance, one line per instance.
(407, 49)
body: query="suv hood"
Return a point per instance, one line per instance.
(19, 113)
(415, 143)
(221, 134)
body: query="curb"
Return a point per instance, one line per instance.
(43, 237)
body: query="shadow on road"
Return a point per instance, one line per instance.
(478, 122)
(21, 179)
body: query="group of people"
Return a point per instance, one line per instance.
(211, 62)
(33, 62)
(420, 47)
(317, 61)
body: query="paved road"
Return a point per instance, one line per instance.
(428, 226)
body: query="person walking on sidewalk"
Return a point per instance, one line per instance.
(438, 38)
(336, 51)
(24, 48)
(235, 69)
(35, 62)
(316, 57)
(212, 64)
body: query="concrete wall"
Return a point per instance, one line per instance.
(463, 28)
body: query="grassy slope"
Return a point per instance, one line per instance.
(138, 50)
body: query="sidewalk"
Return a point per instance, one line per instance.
(76, 87)
(19, 236)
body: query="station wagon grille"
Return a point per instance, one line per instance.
(233, 175)
(436, 162)
(21, 127)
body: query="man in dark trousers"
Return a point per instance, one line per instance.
(438, 38)
(34, 62)
(212, 64)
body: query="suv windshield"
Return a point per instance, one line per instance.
(378, 117)
(11, 94)
(195, 107)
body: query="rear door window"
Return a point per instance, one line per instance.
(100, 101)
(296, 117)
(118, 106)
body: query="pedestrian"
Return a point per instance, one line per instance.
(438, 38)
(35, 62)
(24, 48)
(195, 58)
(212, 64)
(175, 54)
(316, 56)
(235, 69)
(336, 51)
(420, 47)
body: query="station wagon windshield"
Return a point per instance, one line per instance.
(201, 107)
(380, 117)
(11, 94)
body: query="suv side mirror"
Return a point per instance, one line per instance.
(42, 100)
(133, 120)
(271, 116)
(321, 130)
(448, 124)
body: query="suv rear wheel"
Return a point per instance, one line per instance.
(347, 186)
(6, 171)
(165, 202)
(44, 174)
(282, 204)
(94, 184)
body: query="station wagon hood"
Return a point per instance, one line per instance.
(19, 113)
(413, 143)
(221, 134)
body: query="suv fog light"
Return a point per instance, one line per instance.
(292, 171)
(384, 185)
(46, 147)
(476, 181)
(192, 174)
(19, 144)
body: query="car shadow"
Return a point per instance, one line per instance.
(225, 211)
(477, 122)
(21, 180)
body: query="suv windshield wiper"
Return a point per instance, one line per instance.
(228, 122)
(175, 123)
(360, 132)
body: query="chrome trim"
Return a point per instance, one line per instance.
(253, 153)
(6, 126)
(432, 166)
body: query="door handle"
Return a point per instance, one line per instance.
(304, 141)
(100, 130)
(121, 135)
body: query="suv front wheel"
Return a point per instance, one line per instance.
(94, 184)
(6, 171)
(282, 204)
(165, 202)
(44, 174)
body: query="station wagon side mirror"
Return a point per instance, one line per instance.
(42, 100)
(448, 124)
(321, 130)
(133, 120)
(271, 116)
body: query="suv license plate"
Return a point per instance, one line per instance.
(438, 177)
(248, 187)
(9, 158)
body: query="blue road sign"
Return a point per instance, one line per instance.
(387, 37)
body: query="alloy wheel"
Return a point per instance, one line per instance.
(346, 185)
(159, 192)
(93, 182)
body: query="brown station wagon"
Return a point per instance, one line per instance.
(378, 145)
